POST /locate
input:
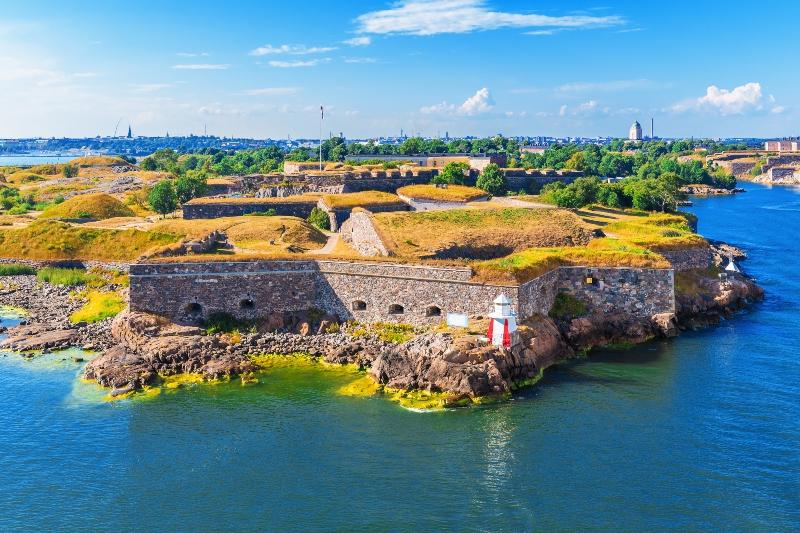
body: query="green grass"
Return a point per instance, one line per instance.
(99, 306)
(567, 306)
(69, 277)
(15, 269)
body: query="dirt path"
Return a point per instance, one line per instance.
(333, 240)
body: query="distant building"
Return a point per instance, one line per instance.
(782, 146)
(635, 133)
(130, 135)
(533, 149)
(475, 161)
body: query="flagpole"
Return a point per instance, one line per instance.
(321, 116)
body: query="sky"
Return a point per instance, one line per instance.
(428, 67)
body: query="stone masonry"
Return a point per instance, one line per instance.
(378, 291)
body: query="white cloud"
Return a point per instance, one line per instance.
(201, 66)
(358, 41)
(778, 109)
(271, 91)
(541, 32)
(430, 17)
(735, 101)
(192, 54)
(562, 111)
(298, 64)
(478, 103)
(359, 60)
(86, 74)
(290, 50)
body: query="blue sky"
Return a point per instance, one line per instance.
(468, 67)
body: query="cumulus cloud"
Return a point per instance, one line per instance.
(431, 17)
(298, 64)
(736, 101)
(358, 41)
(290, 50)
(478, 103)
(201, 66)
(271, 91)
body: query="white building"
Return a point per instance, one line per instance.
(635, 133)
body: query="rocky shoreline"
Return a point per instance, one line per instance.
(138, 348)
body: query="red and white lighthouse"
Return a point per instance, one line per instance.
(502, 322)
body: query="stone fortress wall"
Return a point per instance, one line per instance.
(377, 291)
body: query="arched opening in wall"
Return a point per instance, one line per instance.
(247, 304)
(359, 305)
(193, 309)
(433, 311)
(396, 309)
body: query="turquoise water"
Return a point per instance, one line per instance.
(697, 433)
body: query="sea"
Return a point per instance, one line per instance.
(696, 433)
(34, 159)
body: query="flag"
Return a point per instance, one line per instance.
(321, 113)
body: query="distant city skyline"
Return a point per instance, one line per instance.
(467, 67)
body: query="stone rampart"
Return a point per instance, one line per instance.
(639, 292)
(689, 258)
(377, 291)
(360, 232)
(235, 207)
(339, 216)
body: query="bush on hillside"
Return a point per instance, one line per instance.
(319, 218)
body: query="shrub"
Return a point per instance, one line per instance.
(15, 269)
(268, 213)
(492, 180)
(69, 277)
(69, 171)
(225, 323)
(452, 173)
(319, 218)
(567, 306)
(162, 198)
(98, 206)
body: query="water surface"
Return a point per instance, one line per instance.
(696, 433)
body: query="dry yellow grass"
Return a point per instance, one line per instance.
(478, 233)
(267, 234)
(50, 239)
(451, 193)
(24, 176)
(365, 199)
(98, 161)
(98, 206)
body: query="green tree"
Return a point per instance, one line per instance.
(162, 197)
(452, 173)
(412, 146)
(190, 185)
(69, 170)
(492, 180)
(319, 218)
(148, 163)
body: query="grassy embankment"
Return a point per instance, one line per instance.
(365, 199)
(478, 233)
(451, 193)
(98, 206)
(632, 241)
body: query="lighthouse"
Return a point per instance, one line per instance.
(502, 322)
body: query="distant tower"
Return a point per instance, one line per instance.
(652, 128)
(130, 135)
(635, 133)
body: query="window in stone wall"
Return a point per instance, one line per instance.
(359, 305)
(396, 309)
(247, 304)
(433, 311)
